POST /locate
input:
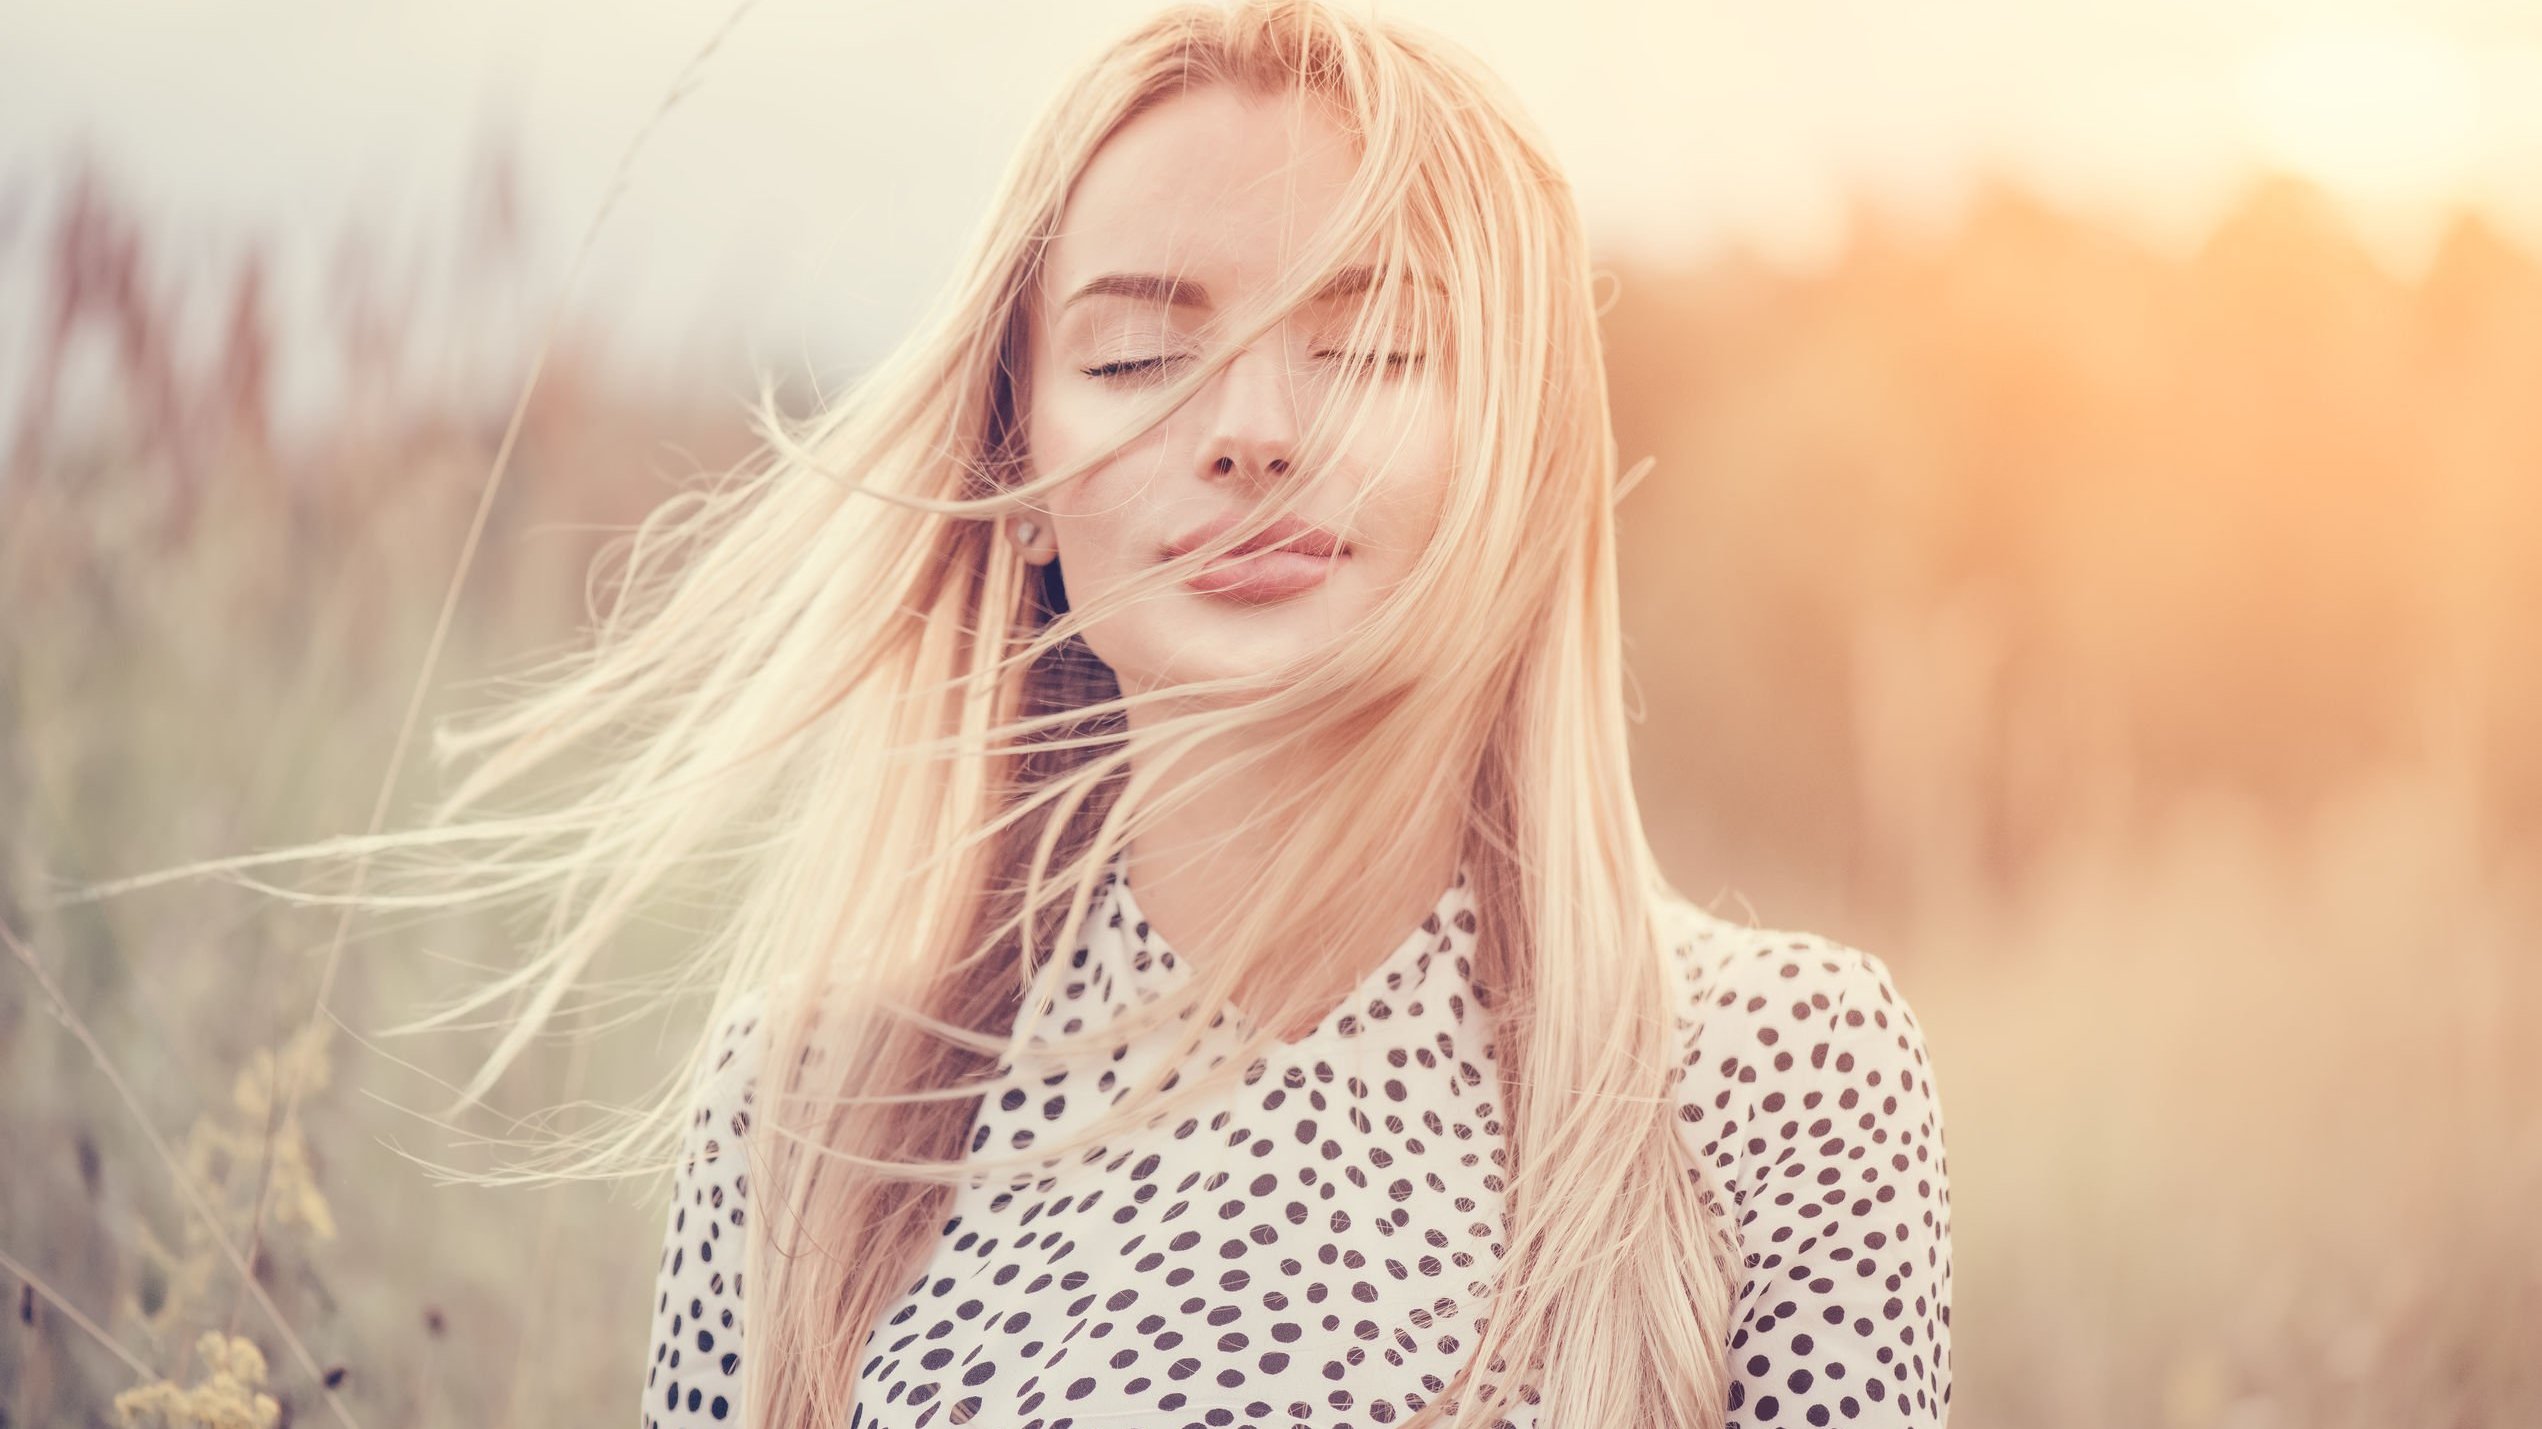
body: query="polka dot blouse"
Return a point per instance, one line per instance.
(1315, 1247)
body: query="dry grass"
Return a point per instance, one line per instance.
(2118, 646)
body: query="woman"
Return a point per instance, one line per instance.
(1163, 739)
(1483, 1122)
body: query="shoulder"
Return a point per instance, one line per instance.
(724, 1088)
(694, 1377)
(1764, 992)
(740, 1035)
(1783, 1034)
(1806, 1097)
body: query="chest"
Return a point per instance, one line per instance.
(1311, 1244)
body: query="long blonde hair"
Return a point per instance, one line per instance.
(884, 733)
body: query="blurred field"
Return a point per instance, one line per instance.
(2135, 651)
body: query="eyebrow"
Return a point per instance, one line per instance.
(1183, 292)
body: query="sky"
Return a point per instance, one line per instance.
(803, 202)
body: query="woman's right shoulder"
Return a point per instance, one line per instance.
(726, 1085)
(742, 1036)
(694, 1378)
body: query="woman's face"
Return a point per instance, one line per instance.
(1188, 210)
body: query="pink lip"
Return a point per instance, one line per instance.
(1304, 537)
(1258, 577)
(1255, 573)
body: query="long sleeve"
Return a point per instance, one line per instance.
(1808, 1094)
(693, 1377)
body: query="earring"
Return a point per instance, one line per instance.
(1027, 534)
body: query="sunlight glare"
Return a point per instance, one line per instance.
(2384, 112)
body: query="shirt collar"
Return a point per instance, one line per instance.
(1403, 988)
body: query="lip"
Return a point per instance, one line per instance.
(1260, 577)
(1303, 537)
(1287, 558)
(1277, 563)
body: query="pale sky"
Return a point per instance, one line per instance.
(803, 203)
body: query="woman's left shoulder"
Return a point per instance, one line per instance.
(1793, 1047)
(1805, 1094)
(1771, 983)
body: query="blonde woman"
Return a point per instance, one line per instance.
(1207, 930)
(1194, 954)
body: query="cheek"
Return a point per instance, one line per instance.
(1096, 516)
(1404, 510)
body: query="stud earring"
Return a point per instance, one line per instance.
(1027, 534)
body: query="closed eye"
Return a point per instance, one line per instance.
(1124, 368)
(1140, 366)
(1395, 361)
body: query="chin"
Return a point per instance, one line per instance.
(1239, 640)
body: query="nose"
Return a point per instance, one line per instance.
(1254, 430)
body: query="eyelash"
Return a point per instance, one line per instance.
(1114, 371)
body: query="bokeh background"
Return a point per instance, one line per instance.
(2091, 560)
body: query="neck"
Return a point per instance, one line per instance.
(1190, 866)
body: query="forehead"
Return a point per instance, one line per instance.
(1213, 185)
